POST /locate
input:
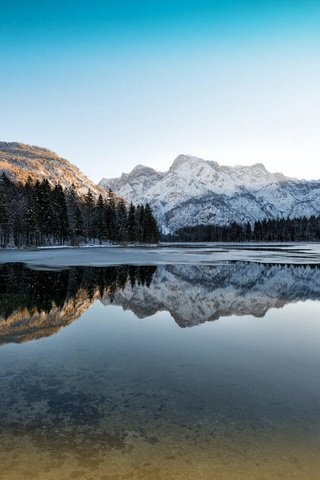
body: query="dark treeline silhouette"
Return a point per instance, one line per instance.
(39, 290)
(37, 213)
(279, 230)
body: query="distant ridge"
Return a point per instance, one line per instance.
(198, 192)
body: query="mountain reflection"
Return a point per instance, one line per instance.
(195, 294)
(38, 303)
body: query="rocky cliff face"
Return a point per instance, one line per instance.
(19, 161)
(194, 191)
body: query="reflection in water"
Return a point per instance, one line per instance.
(196, 294)
(37, 303)
(112, 397)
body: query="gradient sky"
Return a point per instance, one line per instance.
(110, 84)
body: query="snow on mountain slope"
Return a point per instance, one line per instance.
(19, 161)
(197, 294)
(195, 191)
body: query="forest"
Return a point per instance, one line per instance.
(39, 214)
(278, 230)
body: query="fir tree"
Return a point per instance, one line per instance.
(37, 214)
(140, 223)
(122, 222)
(248, 233)
(132, 224)
(60, 222)
(100, 219)
(78, 223)
(89, 217)
(4, 210)
(110, 217)
(150, 229)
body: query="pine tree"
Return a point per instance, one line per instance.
(122, 221)
(31, 224)
(150, 229)
(100, 219)
(110, 217)
(37, 214)
(140, 223)
(132, 224)
(89, 217)
(72, 206)
(78, 224)
(44, 210)
(4, 210)
(248, 233)
(60, 222)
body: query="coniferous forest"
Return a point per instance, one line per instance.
(36, 213)
(279, 230)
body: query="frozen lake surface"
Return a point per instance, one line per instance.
(206, 254)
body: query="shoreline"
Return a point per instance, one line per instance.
(166, 254)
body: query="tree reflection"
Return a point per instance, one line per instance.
(41, 296)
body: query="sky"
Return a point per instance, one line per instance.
(115, 83)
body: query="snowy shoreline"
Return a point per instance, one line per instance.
(165, 254)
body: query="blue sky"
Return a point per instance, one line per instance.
(110, 84)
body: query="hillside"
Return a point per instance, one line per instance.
(19, 161)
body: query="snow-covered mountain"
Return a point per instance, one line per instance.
(195, 191)
(19, 161)
(196, 294)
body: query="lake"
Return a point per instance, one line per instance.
(168, 370)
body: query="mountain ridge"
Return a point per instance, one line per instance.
(194, 191)
(19, 160)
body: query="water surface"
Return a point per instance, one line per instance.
(174, 371)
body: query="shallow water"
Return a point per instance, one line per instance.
(102, 377)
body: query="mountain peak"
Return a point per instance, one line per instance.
(142, 169)
(195, 191)
(260, 166)
(184, 159)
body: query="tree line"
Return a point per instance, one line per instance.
(37, 213)
(277, 230)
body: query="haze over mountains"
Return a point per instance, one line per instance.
(194, 192)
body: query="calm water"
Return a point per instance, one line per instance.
(168, 372)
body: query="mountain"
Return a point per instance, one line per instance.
(195, 191)
(19, 161)
(196, 294)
